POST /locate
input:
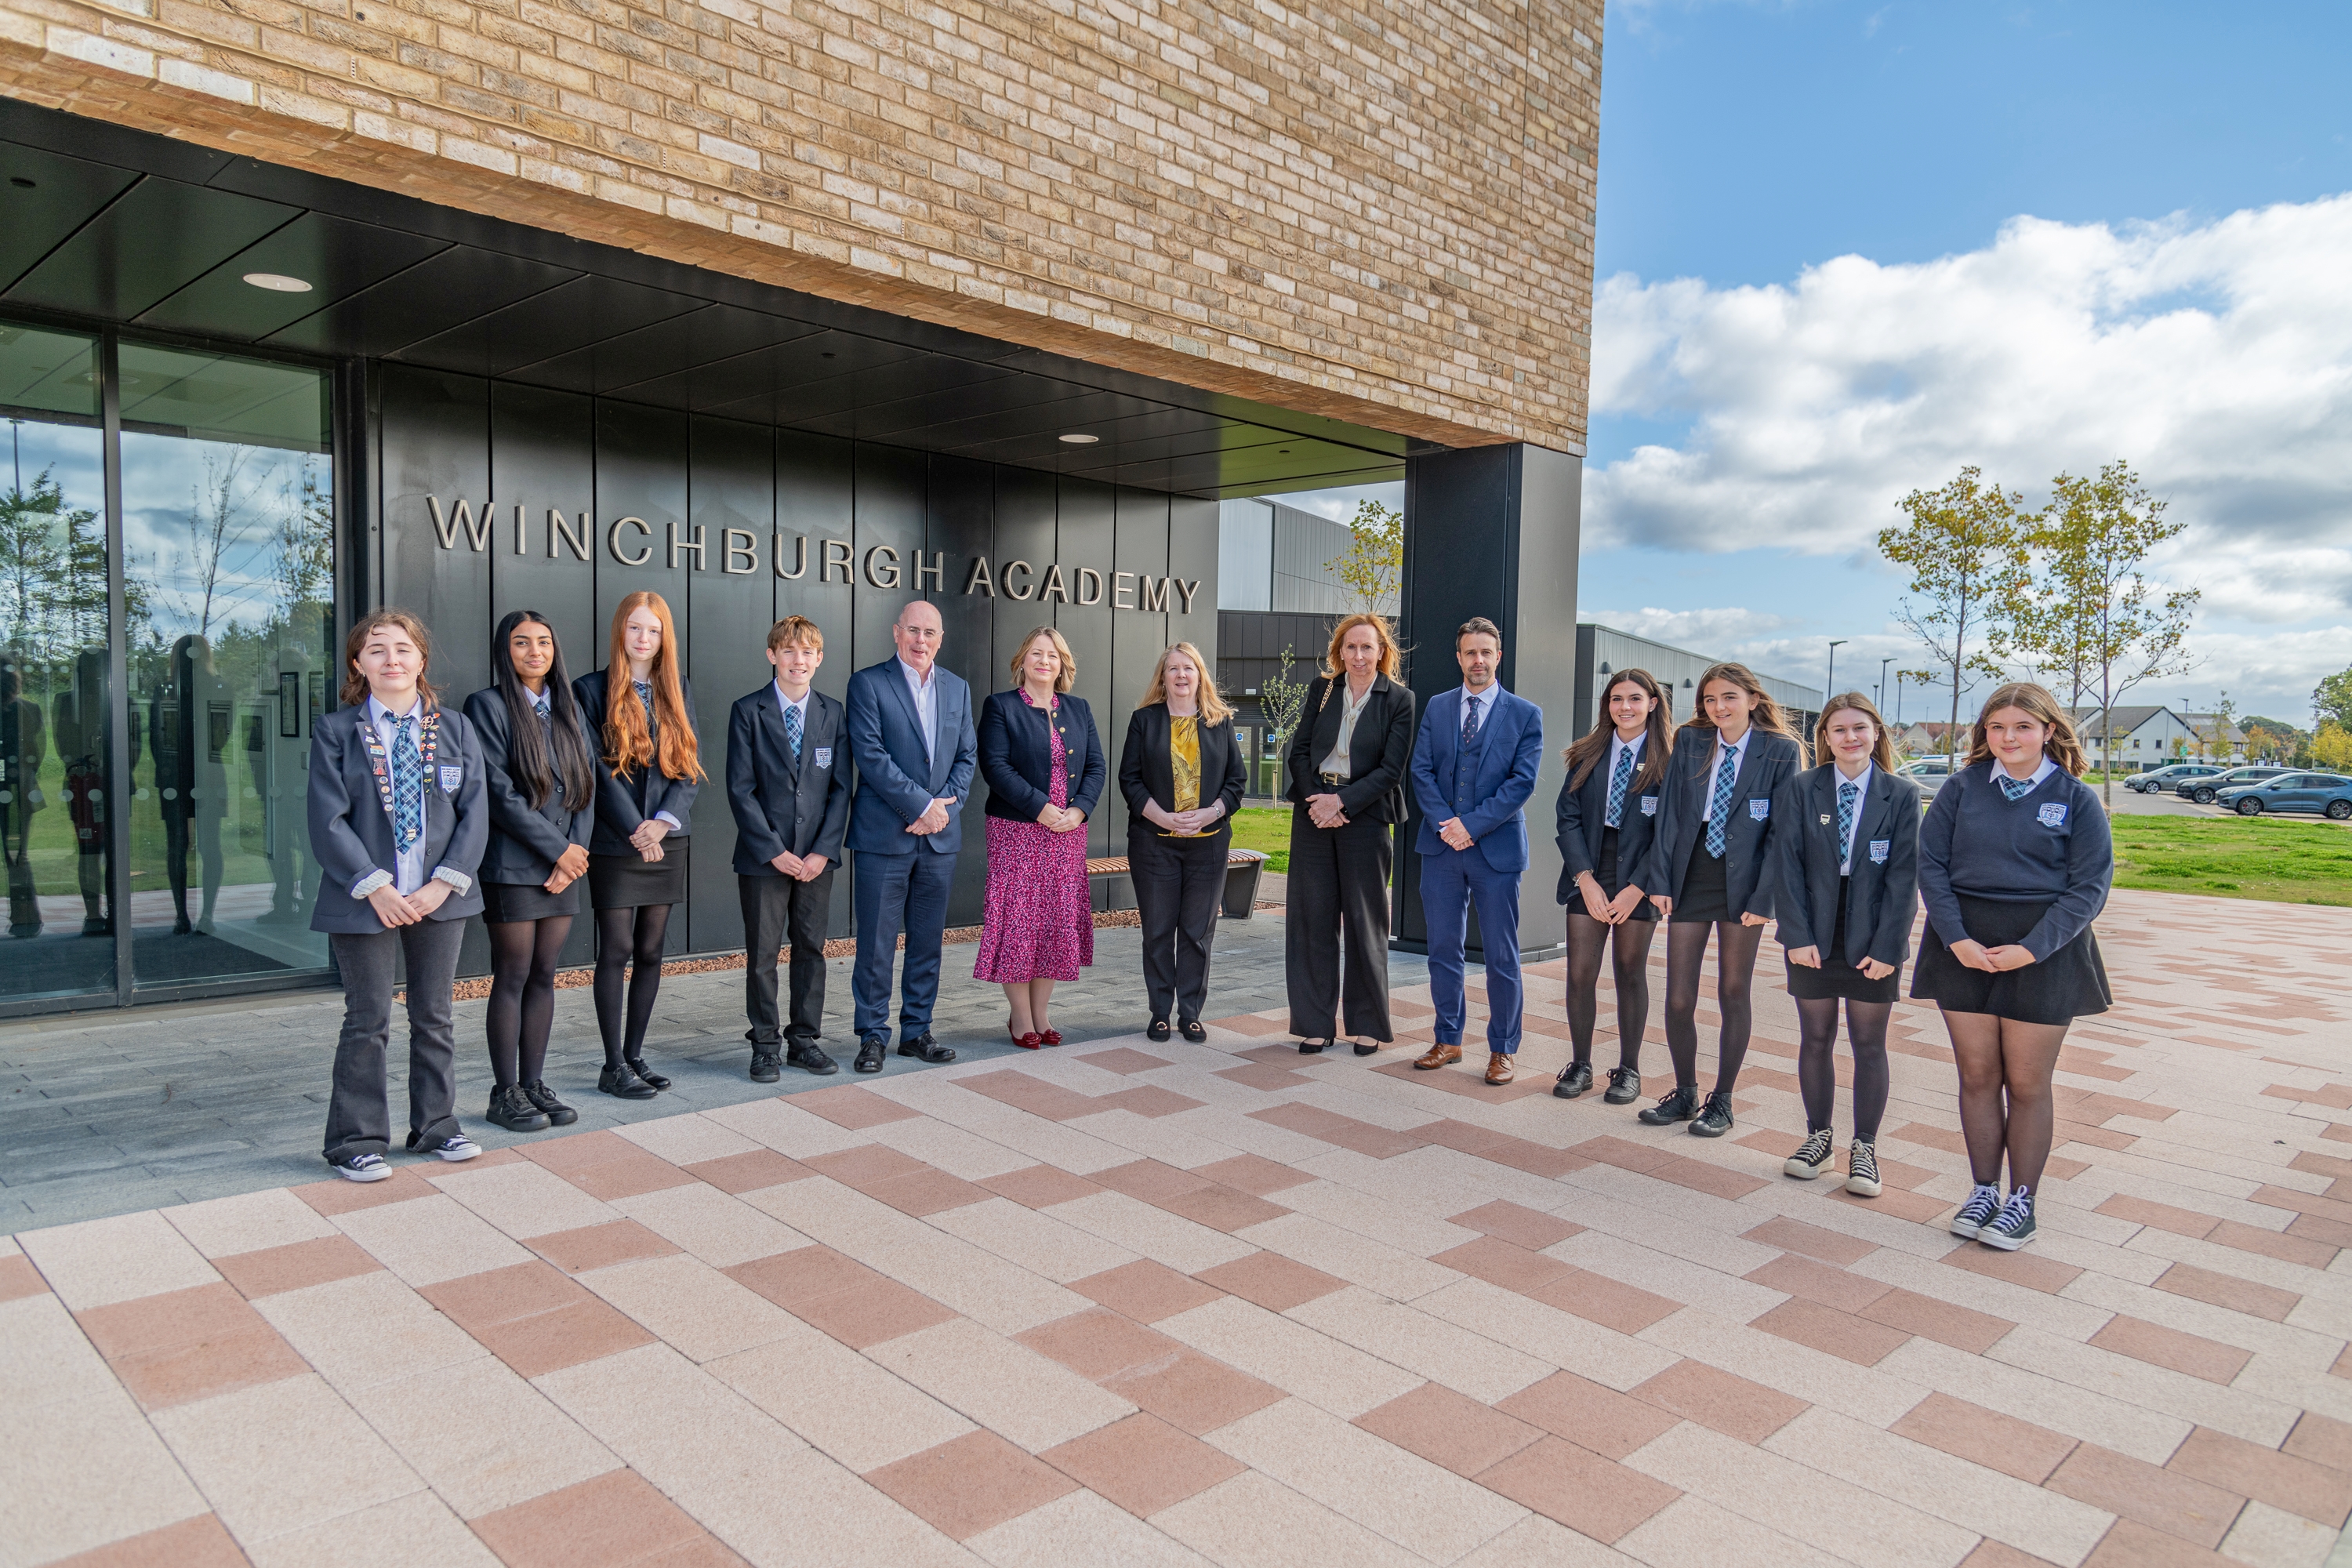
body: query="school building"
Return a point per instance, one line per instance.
(312, 307)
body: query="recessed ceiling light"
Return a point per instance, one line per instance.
(277, 282)
(1076, 439)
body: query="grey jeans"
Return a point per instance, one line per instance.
(358, 1115)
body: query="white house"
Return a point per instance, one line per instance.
(2148, 736)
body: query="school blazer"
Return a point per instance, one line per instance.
(351, 831)
(1492, 805)
(1582, 817)
(1146, 773)
(1764, 766)
(895, 781)
(1883, 896)
(1379, 753)
(1016, 755)
(783, 802)
(624, 805)
(525, 844)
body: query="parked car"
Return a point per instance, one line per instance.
(1929, 773)
(2158, 779)
(2330, 794)
(2205, 791)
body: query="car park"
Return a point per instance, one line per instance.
(2158, 779)
(2328, 795)
(1928, 773)
(2204, 791)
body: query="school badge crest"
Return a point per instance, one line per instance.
(1878, 849)
(824, 756)
(2053, 814)
(1757, 810)
(451, 778)
(1649, 806)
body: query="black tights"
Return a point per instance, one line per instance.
(2005, 1101)
(1586, 938)
(1865, 1032)
(628, 939)
(522, 996)
(1735, 965)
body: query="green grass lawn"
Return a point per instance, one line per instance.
(2235, 858)
(1265, 829)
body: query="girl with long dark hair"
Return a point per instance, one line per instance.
(648, 771)
(540, 782)
(1607, 815)
(1706, 874)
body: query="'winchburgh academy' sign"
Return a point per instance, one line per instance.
(634, 541)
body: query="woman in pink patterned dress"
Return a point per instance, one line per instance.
(1044, 769)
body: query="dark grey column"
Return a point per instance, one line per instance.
(1492, 532)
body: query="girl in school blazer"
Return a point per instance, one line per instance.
(1706, 870)
(1845, 867)
(397, 826)
(1606, 818)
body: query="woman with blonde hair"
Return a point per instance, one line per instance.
(1348, 757)
(1045, 769)
(2015, 861)
(1182, 774)
(648, 771)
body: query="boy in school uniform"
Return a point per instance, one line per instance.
(788, 786)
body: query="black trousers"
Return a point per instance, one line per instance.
(1338, 893)
(777, 909)
(359, 1107)
(1178, 885)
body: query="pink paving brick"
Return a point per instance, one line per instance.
(1946, 1323)
(19, 1279)
(1986, 1437)
(274, 1271)
(1254, 1174)
(1521, 1226)
(2227, 1290)
(1817, 1281)
(1812, 1241)
(851, 1105)
(1449, 1429)
(1145, 1291)
(1125, 1060)
(1273, 1282)
(1499, 1262)
(749, 1172)
(1039, 1186)
(2168, 1501)
(2034, 1270)
(1721, 1401)
(616, 1519)
(181, 1346)
(1579, 1489)
(1192, 1391)
(2172, 1349)
(1601, 1419)
(970, 1483)
(2320, 1493)
(199, 1543)
(1830, 1331)
(1142, 1463)
(1596, 1298)
(1265, 1077)
(1098, 1343)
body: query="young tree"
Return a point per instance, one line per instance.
(2084, 616)
(1372, 566)
(2215, 731)
(1280, 699)
(1961, 548)
(2331, 701)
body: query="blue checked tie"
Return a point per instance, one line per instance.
(2015, 789)
(407, 787)
(1617, 780)
(1469, 722)
(1718, 820)
(792, 731)
(1847, 795)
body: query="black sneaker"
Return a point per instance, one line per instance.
(1679, 1106)
(1575, 1078)
(1984, 1201)
(1624, 1086)
(870, 1052)
(1812, 1158)
(1713, 1118)
(1862, 1170)
(361, 1168)
(558, 1113)
(512, 1109)
(766, 1066)
(2015, 1227)
(808, 1055)
(456, 1147)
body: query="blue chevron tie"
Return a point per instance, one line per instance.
(2016, 789)
(792, 731)
(1718, 821)
(1617, 780)
(1847, 795)
(407, 787)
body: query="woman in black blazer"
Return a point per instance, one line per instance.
(1607, 814)
(1706, 872)
(539, 778)
(1182, 775)
(648, 771)
(1348, 757)
(1846, 869)
(1044, 771)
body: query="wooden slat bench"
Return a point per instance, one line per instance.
(1243, 869)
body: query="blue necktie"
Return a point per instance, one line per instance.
(407, 788)
(2016, 789)
(1469, 722)
(793, 730)
(1718, 819)
(1847, 795)
(1617, 780)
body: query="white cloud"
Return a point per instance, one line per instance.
(1726, 628)
(2216, 357)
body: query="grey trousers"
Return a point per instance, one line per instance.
(358, 1115)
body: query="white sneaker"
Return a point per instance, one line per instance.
(362, 1168)
(1812, 1158)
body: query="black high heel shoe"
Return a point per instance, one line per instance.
(638, 1066)
(1312, 1047)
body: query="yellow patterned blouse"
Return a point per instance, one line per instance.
(1184, 759)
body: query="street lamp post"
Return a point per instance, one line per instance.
(1882, 682)
(1830, 680)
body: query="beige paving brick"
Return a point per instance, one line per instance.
(720, 1229)
(523, 1200)
(2268, 1535)
(1252, 1522)
(688, 1140)
(367, 1330)
(1692, 1532)
(283, 1456)
(1081, 1530)
(699, 1312)
(101, 1261)
(1293, 1357)
(2092, 1416)
(1038, 1240)
(480, 1436)
(421, 1522)
(1000, 1383)
(1563, 1339)
(432, 1239)
(1673, 1277)
(848, 1406)
(2247, 1416)
(45, 1358)
(1877, 1394)
(1406, 1336)
(248, 1223)
(787, 1130)
(1397, 1275)
(102, 1475)
(1180, 1243)
(1537, 1542)
(950, 1149)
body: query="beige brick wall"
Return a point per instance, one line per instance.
(1379, 213)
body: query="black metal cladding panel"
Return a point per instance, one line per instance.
(845, 404)
(568, 316)
(706, 337)
(151, 240)
(543, 459)
(892, 513)
(747, 385)
(1136, 641)
(731, 485)
(454, 286)
(1085, 535)
(961, 506)
(335, 256)
(45, 197)
(940, 404)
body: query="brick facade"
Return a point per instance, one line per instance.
(1383, 215)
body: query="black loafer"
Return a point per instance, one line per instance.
(924, 1049)
(870, 1052)
(512, 1109)
(638, 1066)
(624, 1084)
(558, 1113)
(1679, 1106)
(1574, 1080)
(1159, 1030)
(766, 1067)
(809, 1055)
(1313, 1047)
(1714, 1119)
(1194, 1032)
(1624, 1086)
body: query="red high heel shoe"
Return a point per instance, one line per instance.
(1029, 1042)
(1051, 1036)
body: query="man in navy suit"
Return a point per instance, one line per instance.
(788, 784)
(1474, 767)
(910, 733)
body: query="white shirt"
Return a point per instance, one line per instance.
(1736, 752)
(924, 687)
(1853, 829)
(407, 874)
(1997, 772)
(1618, 747)
(1350, 705)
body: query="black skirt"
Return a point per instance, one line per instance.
(1836, 977)
(1706, 888)
(1613, 884)
(2070, 983)
(503, 902)
(629, 882)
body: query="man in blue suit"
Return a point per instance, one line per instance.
(1474, 767)
(910, 733)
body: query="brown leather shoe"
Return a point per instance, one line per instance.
(1439, 1057)
(1498, 1068)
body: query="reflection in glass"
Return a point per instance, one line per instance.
(229, 528)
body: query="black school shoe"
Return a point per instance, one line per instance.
(558, 1113)
(624, 1084)
(1624, 1086)
(807, 1054)
(644, 1075)
(870, 1052)
(924, 1049)
(1679, 1106)
(766, 1066)
(1714, 1119)
(1575, 1078)
(512, 1109)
